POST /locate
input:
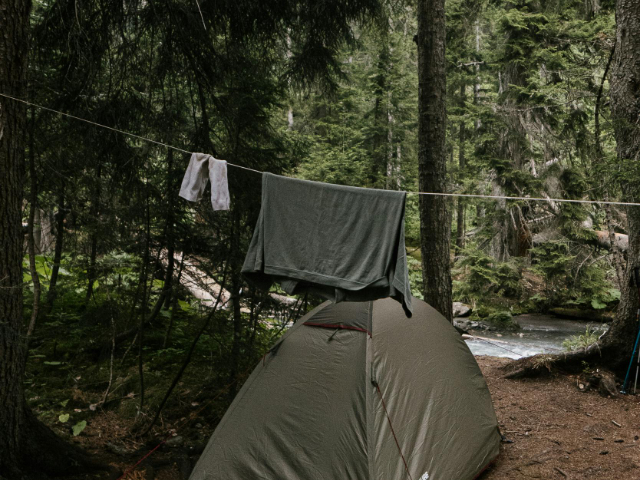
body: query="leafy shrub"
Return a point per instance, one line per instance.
(576, 342)
(482, 277)
(571, 277)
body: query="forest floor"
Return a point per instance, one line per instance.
(558, 432)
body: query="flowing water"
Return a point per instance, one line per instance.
(538, 334)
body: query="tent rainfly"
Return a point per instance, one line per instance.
(357, 391)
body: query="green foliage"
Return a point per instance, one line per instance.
(363, 133)
(503, 320)
(577, 342)
(482, 277)
(415, 277)
(552, 260)
(571, 278)
(79, 427)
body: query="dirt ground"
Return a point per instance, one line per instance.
(560, 432)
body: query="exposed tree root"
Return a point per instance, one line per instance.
(600, 353)
(45, 455)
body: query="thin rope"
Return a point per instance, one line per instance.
(92, 122)
(384, 405)
(494, 344)
(201, 16)
(534, 199)
(133, 467)
(437, 194)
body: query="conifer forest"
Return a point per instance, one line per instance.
(124, 315)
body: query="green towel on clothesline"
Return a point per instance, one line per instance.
(342, 243)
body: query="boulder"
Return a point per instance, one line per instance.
(461, 310)
(462, 324)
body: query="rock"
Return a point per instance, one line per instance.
(582, 314)
(462, 324)
(117, 449)
(461, 310)
(607, 385)
(175, 441)
(604, 381)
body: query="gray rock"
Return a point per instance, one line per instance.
(175, 441)
(117, 449)
(461, 310)
(462, 324)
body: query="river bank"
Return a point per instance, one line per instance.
(537, 334)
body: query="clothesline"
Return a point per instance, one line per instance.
(437, 194)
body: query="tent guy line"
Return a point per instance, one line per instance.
(435, 194)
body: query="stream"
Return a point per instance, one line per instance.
(538, 334)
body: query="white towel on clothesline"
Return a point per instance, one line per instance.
(203, 167)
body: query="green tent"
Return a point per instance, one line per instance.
(357, 391)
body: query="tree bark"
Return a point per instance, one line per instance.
(435, 228)
(57, 254)
(33, 207)
(170, 219)
(625, 109)
(236, 284)
(461, 165)
(14, 18)
(476, 85)
(380, 111)
(26, 445)
(94, 213)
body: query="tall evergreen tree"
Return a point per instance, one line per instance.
(435, 228)
(625, 109)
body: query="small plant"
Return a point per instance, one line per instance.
(576, 342)
(542, 361)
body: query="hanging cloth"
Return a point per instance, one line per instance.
(203, 167)
(342, 243)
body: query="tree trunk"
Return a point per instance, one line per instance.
(435, 228)
(57, 255)
(625, 109)
(476, 85)
(33, 207)
(461, 164)
(168, 279)
(26, 445)
(14, 18)
(380, 110)
(94, 213)
(236, 284)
